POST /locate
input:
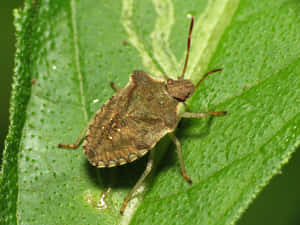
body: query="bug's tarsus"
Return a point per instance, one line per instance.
(77, 142)
(205, 75)
(186, 178)
(188, 49)
(114, 86)
(70, 146)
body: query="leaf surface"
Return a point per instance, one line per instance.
(69, 51)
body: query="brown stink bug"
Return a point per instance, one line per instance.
(136, 118)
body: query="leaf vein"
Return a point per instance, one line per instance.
(77, 60)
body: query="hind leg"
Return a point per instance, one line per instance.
(140, 181)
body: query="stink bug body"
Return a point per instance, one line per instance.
(136, 118)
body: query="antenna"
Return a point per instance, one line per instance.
(205, 75)
(188, 49)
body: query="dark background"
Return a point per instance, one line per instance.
(277, 204)
(7, 51)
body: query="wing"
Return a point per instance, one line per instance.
(130, 123)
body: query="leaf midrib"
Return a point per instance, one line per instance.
(77, 59)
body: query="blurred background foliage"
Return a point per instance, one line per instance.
(277, 204)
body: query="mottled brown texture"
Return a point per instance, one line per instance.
(180, 89)
(131, 122)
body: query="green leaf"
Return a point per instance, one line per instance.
(69, 51)
(282, 209)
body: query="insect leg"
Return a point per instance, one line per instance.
(114, 86)
(140, 181)
(201, 115)
(179, 153)
(79, 139)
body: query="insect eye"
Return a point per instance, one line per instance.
(170, 81)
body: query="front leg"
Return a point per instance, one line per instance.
(201, 115)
